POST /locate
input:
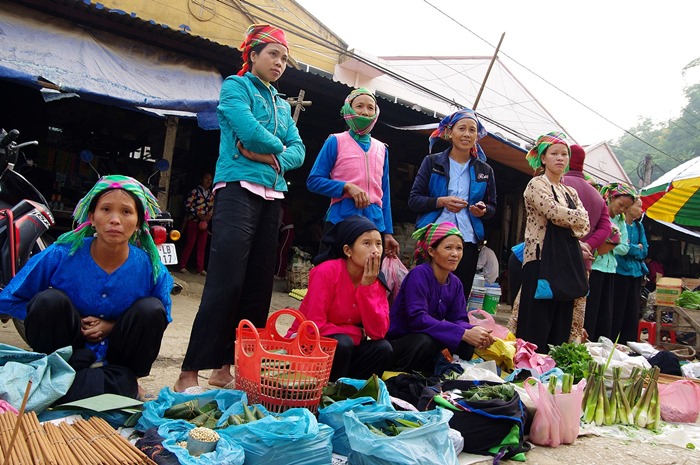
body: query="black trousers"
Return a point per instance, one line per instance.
(53, 322)
(541, 321)
(467, 267)
(359, 361)
(515, 277)
(626, 307)
(240, 275)
(419, 352)
(599, 306)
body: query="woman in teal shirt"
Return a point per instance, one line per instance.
(628, 279)
(599, 304)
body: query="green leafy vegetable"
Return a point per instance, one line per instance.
(689, 299)
(572, 358)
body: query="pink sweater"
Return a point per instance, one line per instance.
(359, 167)
(338, 307)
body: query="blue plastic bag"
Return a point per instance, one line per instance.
(227, 451)
(51, 376)
(290, 438)
(154, 411)
(427, 445)
(333, 414)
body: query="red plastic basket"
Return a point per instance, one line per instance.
(282, 373)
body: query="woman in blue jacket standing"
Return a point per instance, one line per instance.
(628, 277)
(457, 186)
(259, 144)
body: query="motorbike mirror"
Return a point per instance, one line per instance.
(162, 165)
(87, 156)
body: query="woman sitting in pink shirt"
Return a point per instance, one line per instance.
(348, 301)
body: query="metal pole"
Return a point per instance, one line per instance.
(488, 71)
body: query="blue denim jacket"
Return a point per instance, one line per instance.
(432, 181)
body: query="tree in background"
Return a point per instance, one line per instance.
(678, 138)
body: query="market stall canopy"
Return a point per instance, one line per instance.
(675, 197)
(66, 60)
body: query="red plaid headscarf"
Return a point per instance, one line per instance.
(260, 34)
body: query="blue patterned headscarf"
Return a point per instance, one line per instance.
(449, 121)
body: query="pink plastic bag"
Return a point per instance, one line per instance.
(558, 417)
(527, 357)
(394, 272)
(680, 401)
(486, 321)
(570, 409)
(547, 423)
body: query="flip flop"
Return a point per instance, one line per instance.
(192, 390)
(230, 385)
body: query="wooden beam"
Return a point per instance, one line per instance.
(168, 150)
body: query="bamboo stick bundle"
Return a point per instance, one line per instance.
(100, 443)
(32, 443)
(20, 450)
(15, 429)
(41, 437)
(82, 450)
(11, 457)
(113, 435)
(64, 454)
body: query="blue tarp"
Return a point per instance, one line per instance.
(105, 68)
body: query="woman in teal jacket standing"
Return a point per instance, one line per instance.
(259, 144)
(628, 278)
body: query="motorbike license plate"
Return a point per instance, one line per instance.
(168, 254)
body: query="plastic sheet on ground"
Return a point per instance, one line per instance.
(686, 436)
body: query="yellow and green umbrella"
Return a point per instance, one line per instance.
(675, 196)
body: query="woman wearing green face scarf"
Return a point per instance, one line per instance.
(352, 169)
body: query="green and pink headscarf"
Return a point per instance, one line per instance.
(430, 234)
(616, 189)
(360, 125)
(534, 156)
(142, 238)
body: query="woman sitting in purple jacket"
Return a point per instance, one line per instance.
(430, 311)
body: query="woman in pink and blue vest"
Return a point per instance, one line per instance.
(352, 169)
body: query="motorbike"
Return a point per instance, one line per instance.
(24, 215)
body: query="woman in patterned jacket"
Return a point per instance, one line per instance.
(541, 321)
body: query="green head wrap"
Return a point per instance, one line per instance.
(142, 238)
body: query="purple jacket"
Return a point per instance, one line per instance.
(423, 305)
(595, 206)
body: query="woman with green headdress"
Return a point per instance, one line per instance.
(548, 321)
(352, 169)
(598, 320)
(101, 289)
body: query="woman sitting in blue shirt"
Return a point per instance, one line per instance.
(101, 289)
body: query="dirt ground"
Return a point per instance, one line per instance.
(587, 450)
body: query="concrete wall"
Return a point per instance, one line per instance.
(225, 23)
